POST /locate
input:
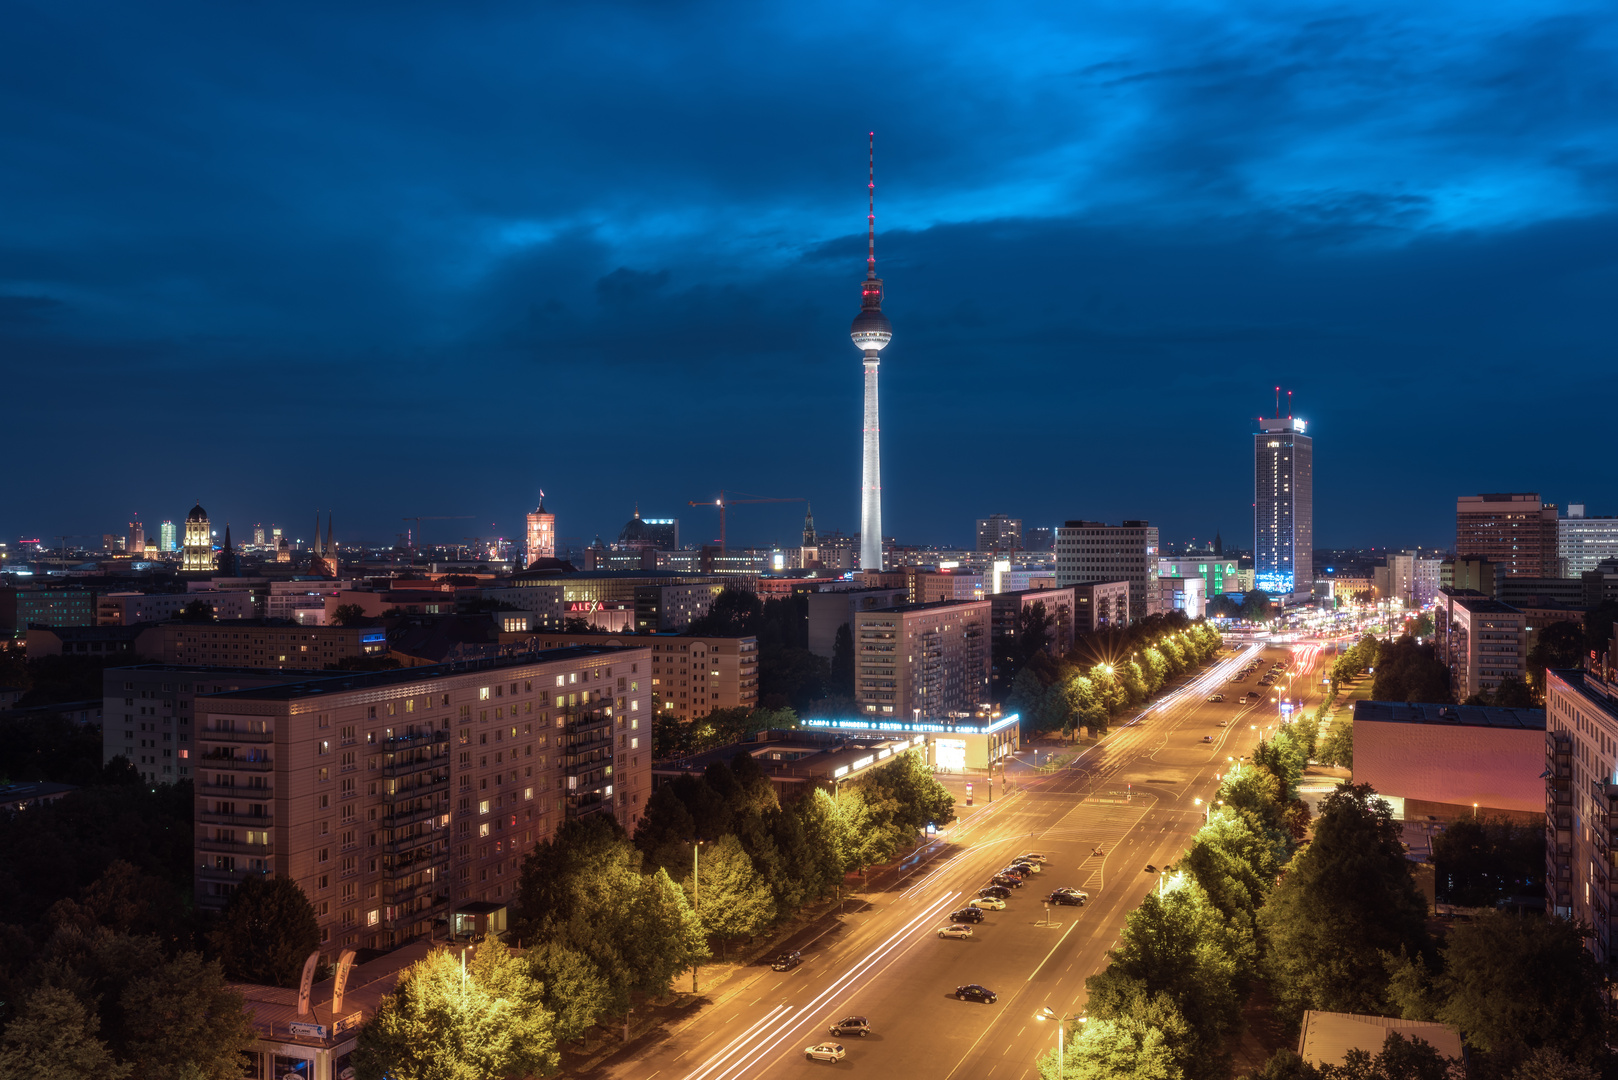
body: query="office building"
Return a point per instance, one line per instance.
(1039, 538)
(197, 554)
(393, 798)
(167, 537)
(1395, 578)
(1581, 799)
(928, 584)
(1283, 508)
(137, 538)
(258, 535)
(1187, 595)
(541, 534)
(1000, 533)
(1513, 530)
(1089, 551)
(922, 660)
(1475, 574)
(871, 331)
(1424, 580)
(690, 676)
(613, 599)
(1219, 573)
(1481, 640)
(1583, 542)
(21, 608)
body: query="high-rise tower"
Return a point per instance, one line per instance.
(871, 332)
(1283, 505)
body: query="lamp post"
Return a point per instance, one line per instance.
(1061, 1053)
(696, 901)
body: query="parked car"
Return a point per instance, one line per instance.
(787, 961)
(1010, 881)
(974, 992)
(955, 930)
(1067, 897)
(1000, 892)
(1033, 857)
(966, 914)
(1026, 868)
(1216, 697)
(852, 1025)
(987, 903)
(825, 1052)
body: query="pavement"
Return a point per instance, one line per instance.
(1137, 797)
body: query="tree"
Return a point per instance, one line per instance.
(1347, 898)
(190, 1023)
(1399, 1059)
(1337, 748)
(1559, 645)
(1033, 630)
(842, 663)
(575, 991)
(1119, 1049)
(1256, 606)
(54, 1038)
(347, 615)
(734, 612)
(441, 1024)
(1548, 1064)
(1598, 623)
(1406, 671)
(197, 611)
(267, 930)
(1481, 861)
(728, 896)
(1222, 606)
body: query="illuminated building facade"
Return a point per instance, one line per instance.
(997, 532)
(1283, 508)
(1091, 551)
(930, 660)
(166, 537)
(541, 534)
(1513, 530)
(197, 554)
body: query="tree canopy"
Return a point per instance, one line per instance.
(267, 930)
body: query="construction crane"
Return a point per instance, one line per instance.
(723, 501)
(410, 536)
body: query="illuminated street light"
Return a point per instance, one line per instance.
(1049, 1014)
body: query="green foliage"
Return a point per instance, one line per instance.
(1337, 748)
(1126, 1048)
(267, 931)
(575, 991)
(1398, 1059)
(1406, 671)
(1598, 623)
(1256, 606)
(1479, 862)
(441, 1023)
(54, 1038)
(1347, 898)
(729, 897)
(1355, 660)
(53, 748)
(841, 682)
(347, 615)
(183, 1016)
(197, 611)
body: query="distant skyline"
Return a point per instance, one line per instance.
(413, 260)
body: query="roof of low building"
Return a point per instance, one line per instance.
(1327, 1037)
(1398, 712)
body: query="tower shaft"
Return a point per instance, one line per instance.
(871, 474)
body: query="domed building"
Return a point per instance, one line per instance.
(196, 553)
(661, 534)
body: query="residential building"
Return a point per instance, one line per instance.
(1219, 573)
(1000, 533)
(1283, 508)
(1475, 573)
(128, 608)
(1443, 762)
(1039, 538)
(1006, 578)
(197, 554)
(1424, 580)
(929, 584)
(1006, 617)
(21, 608)
(148, 712)
(394, 797)
(1089, 551)
(1481, 640)
(1581, 799)
(1583, 542)
(1513, 530)
(672, 608)
(922, 660)
(1097, 604)
(690, 676)
(541, 534)
(830, 611)
(611, 599)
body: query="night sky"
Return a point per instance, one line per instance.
(395, 259)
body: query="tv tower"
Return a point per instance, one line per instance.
(870, 332)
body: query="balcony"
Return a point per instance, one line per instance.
(231, 791)
(400, 896)
(235, 764)
(416, 861)
(211, 873)
(214, 735)
(250, 821)
(431, 786)
(413, 765)
(400, 818)
(236, 847)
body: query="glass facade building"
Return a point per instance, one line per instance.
(1283, 507)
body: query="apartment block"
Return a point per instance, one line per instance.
(997, 532)
(1006, 616)
(1581, 800)
(690, 676)
(262, 643)
(394, 798)
(128, 608)
(44, 607)
(1583, 542)
(672, 608)
(1482, 640)
(928, 660)
(1089, 551)
(1100, 603)
(1513, 530)
(829, 611)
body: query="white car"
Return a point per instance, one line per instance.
(955, 930)
(988, 903)
(1032, 857)
(825, 1052)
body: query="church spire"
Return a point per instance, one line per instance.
(808, 524)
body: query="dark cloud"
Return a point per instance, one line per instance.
(444, 257)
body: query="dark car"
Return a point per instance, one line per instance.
(1015, 871)
(1070, 897)
(1010, 881)
(787, 961)
(999, 892)
(852, 1025)
(966, 914)
(974, 992)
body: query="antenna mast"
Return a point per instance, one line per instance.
(870, 217)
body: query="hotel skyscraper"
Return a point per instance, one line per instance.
(1283, 507)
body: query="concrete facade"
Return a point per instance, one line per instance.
(690, 676)
(830, 610)
(1088, 551)
(929, 660)
(1441, 761)
(1513, 530)
(1482, 640)
(1581, 800)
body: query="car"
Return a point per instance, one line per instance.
(1026, 868)
(974, 992)
(966, 914)
(987, 903)
(825, 1052)
(1222, 723)
(1033, 857)
(1010, 881)
(786, 961)
(999, 892)
(1207, 738)
(955, 930)
(852, 1025)
(1069, 897)
(1216, 697)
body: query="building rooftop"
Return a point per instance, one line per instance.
(343, 682)
(799, 754)
(274, 1009)
(1327, 1037)
(1395, 712)
(910, 609)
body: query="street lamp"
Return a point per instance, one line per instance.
(1049, 1014)
(696, 901)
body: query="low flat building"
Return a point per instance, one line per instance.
(1482, 640)
(1219, 572)
(1445, 762)
(927, 660)
(1327, 1037)
(802, 759)
(20, 798)
(22, 608)
(690, 676)
(973, 742)
(1186, 595)
(128, 608)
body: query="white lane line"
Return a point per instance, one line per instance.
(725, 1050)
(1058, 945)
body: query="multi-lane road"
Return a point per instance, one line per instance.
(1136, 798)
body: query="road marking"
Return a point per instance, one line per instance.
(1048, 955)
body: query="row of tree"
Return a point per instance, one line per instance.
(1105, 676)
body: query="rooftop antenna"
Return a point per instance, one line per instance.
(870, 217)
(1289, 404)
(1278, 403)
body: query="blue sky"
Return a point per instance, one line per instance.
(397, 259)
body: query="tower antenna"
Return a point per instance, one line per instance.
(870, 217)
(1278, 403)
(1289, 404)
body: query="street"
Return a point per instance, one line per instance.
(1137, 798)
